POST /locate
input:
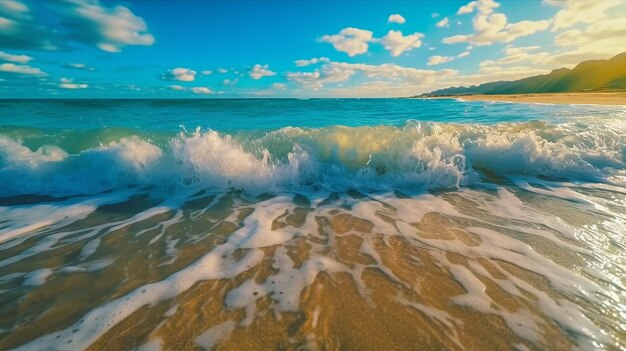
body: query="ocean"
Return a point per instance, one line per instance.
(357, 224)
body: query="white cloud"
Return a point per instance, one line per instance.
(21, 69)
(20, 30)
(391, 71)
(352, 41)
(13, 6)
(206, 72)
(403, 79)
(195, 90)
(491, 27)
(463, 54)
(390, 80)
(279, 86)
(80, 66)
(5, 56)
(443, 23)
(260, 71)
(179, 74)
(109, 28)
(600, 40)
(580, 11)
(230, 82)
(608, 29)
(518, 54)
(87, 22)
(396, 18)
(68, 83)
(436, 60)
(434, 15)
(490, 73)
(329, 73)
(201, 90)
(316, 80)
(396, 43)
(222, 70)
(465, 9)
(314, 60)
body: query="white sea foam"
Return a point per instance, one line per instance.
(417, 155)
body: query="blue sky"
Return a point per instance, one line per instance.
(135, 49)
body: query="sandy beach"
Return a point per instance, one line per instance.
(604, 98)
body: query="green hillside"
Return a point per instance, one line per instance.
(586, 76)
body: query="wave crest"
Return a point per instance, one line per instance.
(415, 156)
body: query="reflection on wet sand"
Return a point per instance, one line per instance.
(319, 271)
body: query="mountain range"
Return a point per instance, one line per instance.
(592, 75)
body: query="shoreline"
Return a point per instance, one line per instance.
(599, 98)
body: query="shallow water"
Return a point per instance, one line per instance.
(311, 224)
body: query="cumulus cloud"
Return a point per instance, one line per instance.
(206, 72)
(491, 73)
(396, 18)
(84, 21)
(21, 69)
(352, 41)
(443, 23)
(5, 56)
(580, 11)
(329, 73)
(230, 82)
(195, 90)
(390, 80)
(340, 72)
(608, 29)
(68, 83)
(79, 66)
(260, 71)
(314, 60)
(396, 43)
(20, 30)
(465, 9)
(310, 80)
(463, 54)
(492, 27)
(437, 60)
(201, 90)
(518, 54)
(599, 40)
(279, 86)
(180, 74)
(394, 72)
(110, 29)
(222, 70)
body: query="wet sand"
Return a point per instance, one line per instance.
(365, 272)
(608, 98)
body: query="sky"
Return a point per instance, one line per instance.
(239, 49)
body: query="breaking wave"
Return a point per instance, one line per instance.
(417, 155)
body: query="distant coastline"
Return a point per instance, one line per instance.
(595, 82)
(589, 98)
